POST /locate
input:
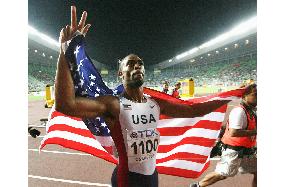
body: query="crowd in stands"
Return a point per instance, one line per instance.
(214, 74)
(222, 73)
(41, 70)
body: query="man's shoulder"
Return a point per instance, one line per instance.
(238, 110)
(237, 115)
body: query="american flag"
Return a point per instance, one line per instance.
(185, 143)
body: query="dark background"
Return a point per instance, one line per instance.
(156, 30)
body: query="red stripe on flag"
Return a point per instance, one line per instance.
(176, 131)
(63, 127)
(56, 114)
(221, 109)
(109, 149)
(80, 147)
(206, 142)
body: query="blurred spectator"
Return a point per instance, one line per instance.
(175, 90)
(166, 87)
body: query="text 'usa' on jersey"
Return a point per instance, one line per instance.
(141, 138)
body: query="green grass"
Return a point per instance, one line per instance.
(35, 98)
(211, 89)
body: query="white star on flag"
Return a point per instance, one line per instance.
(77, 50)
(92, 83)
(81, 83)
(92, 77)
(98, 89)
(97, 129)
(81, 64)
(103, 124)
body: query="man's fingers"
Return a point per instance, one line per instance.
(73, 19)
(65, 33)
(86, 28)
(62, 32)
(68, 31)
(82, 21)
(61, 37)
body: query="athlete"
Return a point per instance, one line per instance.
(131, 117)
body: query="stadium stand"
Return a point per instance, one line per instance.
(229, 65)
(41, 66)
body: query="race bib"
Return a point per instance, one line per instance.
(142, 144)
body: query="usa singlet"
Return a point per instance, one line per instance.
(137, 139)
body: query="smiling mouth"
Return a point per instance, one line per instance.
(138, 75)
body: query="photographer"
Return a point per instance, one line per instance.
(238, 142)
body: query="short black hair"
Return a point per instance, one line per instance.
(178, 83)
(249, 89)
(121, 61)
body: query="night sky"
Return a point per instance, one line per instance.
(155, 30)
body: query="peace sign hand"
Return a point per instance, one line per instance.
(67, 32)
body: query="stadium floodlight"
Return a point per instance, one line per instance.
(238, 30)
(201, 57)
(226, 48)
(247, 42)
(43, 36)
(244, 27)
(217, 52)
(35, 51)
(187, 53)
(43, 54)
(170, 60)
(50, 57)
(218, 39)
(208, 54)
(236, 45)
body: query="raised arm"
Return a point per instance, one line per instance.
(184, 111)
(65, 100)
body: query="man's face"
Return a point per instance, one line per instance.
(251, 98)
(132, 69)
(178, 86)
